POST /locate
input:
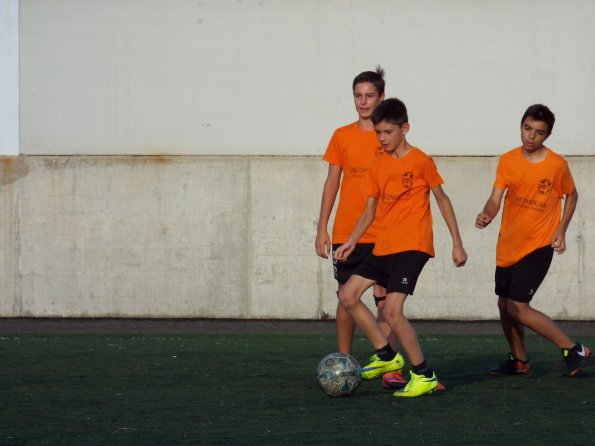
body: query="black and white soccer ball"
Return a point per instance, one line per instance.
(338, 374)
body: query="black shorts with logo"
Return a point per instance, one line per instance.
(520, 281)
(344, 270)
(395, 272)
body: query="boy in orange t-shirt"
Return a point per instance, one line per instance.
(535, 179)
(399, 185)
(350, 151)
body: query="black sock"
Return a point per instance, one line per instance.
(386, 353)
(423, 369)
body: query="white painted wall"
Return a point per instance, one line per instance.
(273, 77)
(9, 77)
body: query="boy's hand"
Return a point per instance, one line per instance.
(559, 242)
(323, 244)
(459, 256)
(482, 220)
(344, 250)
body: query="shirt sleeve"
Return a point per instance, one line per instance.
(500, 182)
(567, 180)
(371, 186)
(430, 174)
(334, 154)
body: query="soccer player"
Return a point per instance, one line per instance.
(398, 188)
(535, 179)
(350, 151)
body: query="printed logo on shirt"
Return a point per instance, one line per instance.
(357, 171)
(545, 186)
(530, 203)
(389, 198)
(404, 281)
(407, 182)
(407, 179)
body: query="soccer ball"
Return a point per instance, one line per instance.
(338, 374)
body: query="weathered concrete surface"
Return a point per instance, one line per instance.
(233, 237)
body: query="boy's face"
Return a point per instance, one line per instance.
(533, 134)
(366, 99)
(391, 136)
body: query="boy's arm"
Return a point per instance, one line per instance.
(490, 210)
(459, 256)
(362, 224)
(329, 194)
(559, 237)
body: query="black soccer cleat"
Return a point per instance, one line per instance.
(576, 359)
(512, 366)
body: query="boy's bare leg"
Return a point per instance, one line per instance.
(513, 331)
(382, 322)
(402, 328)
(345, 328)
(539, 323)
(385, 327)
(350, 298)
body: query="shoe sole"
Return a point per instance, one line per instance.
(404, 383)
(402, 394)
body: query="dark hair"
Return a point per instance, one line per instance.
(376, 78)
(540, 112)
(391, 110)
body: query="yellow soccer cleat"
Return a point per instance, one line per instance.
(418, 385)
(378, 367)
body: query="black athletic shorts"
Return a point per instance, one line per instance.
(520, 281)
(395, 272)
(344, 270)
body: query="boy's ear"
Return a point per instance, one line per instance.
(405, 127)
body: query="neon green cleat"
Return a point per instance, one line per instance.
(418, 385)
(377, 367)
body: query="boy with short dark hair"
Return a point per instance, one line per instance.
(398, 189)
(535, 179)
(351, 149)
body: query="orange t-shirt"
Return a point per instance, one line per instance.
(353, 149)
(532, 206)
(402, 187)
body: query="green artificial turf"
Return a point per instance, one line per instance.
(255, 389)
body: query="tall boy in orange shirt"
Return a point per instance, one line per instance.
(399, 185)
(535, 179)
(350, 151)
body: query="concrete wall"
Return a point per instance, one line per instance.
(232, 237)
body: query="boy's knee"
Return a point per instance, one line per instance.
(393, 313)
(516, 310)
(347, 297)
(507, 309)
